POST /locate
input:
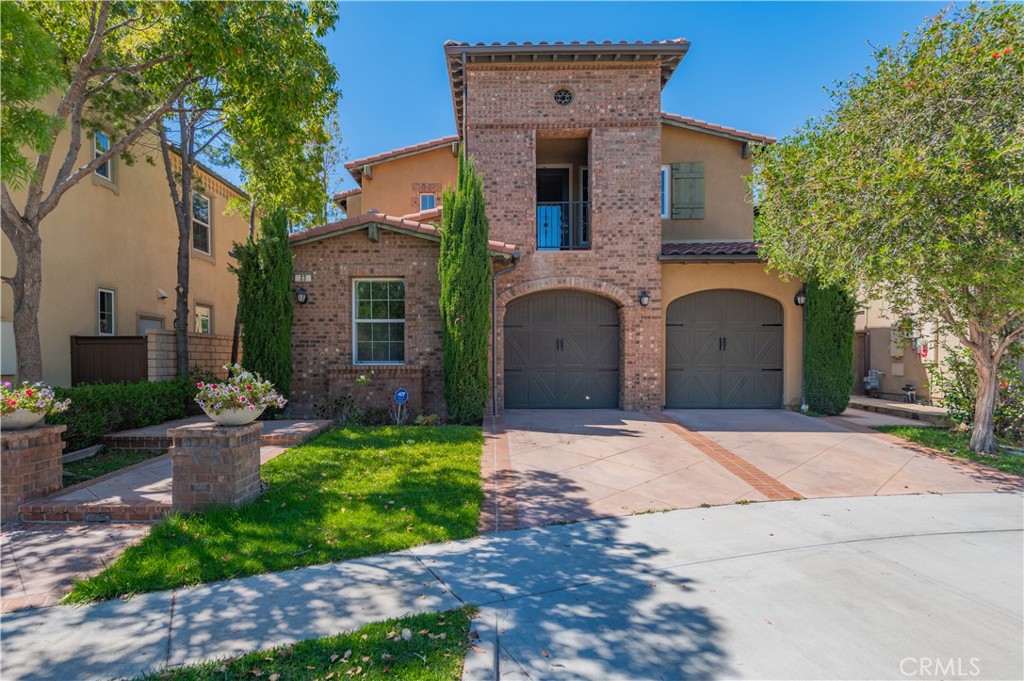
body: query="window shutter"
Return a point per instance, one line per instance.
(687, 190)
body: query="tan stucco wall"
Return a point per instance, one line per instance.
(396, 185)
(902, 364)
(126, 240)
(679, 280)
(728, 213)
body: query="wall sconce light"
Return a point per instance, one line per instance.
(161, 294)
(645, 299)
(301, 296)
(801, 297)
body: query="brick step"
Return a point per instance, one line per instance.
(907, 413)
(271, 436)
(126, 512)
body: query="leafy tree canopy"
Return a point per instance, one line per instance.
(911, 188)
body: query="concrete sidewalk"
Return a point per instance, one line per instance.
(829, 588)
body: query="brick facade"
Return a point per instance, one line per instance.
(205, 351)
(617, 107)
(31, 465)
(322, 352)
(214, 465)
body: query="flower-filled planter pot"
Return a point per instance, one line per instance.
(241, 399)
(20, 419)
(235, 417)
(25, 406)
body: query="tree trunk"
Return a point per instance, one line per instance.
(27, 285)
(983, 435)
(181, 320)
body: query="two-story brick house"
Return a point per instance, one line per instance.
(635, 284)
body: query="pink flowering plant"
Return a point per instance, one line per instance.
(37, 398)
(243, 390)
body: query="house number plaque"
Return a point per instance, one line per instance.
(303, 277)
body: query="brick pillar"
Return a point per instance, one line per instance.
(30, 465)
(214, 465)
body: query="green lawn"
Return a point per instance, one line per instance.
(376, 651)
(956, 443)
(106, 462)
(345, 494)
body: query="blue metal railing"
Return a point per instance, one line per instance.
(563, 226)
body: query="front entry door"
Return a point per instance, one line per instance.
(561, 351)
(723, 350)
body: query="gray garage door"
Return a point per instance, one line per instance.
(723, 349)
(561, 350)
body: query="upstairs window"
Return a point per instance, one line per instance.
(201, 223)
(100, 146)
(378, 321)
(428, 201)
(687, 197)
(105, 312)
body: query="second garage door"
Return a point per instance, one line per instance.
(723, 349)
(561, 351)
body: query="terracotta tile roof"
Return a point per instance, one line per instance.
(424, 215)
(667, 53)
(355, 167)
(390, 222)
(710, 249)
(340, 196)
(688, 122)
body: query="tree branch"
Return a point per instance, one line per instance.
(143, 126)
(121, 70)
(204, 145)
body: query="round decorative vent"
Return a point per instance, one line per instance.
(563, 96)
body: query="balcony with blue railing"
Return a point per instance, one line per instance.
(563, 226)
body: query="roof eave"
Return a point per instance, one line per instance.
(698, 259)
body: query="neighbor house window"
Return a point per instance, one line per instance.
(100, 146)
(201, 223)
(666, 193)
(378, 321)
(428, 201)
(105, 312)
(203, 316)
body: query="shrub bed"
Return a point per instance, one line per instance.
(99, 409)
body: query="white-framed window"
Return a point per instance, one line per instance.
(201, 223)
(204, 315)
(378, 321)
(666, 191)
(100, 146)
(428, 201)
(105, 316)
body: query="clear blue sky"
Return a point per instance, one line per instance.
(758, 66)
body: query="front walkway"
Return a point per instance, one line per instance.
(824, 588)
(88, 525)
(571, 465)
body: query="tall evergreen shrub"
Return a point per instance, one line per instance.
(265, 311)
(828, 356)
(464, 268)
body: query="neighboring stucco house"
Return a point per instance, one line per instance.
(637, 284)
(109, 269)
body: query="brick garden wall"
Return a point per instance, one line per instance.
(322, 332)
(618, 107)
(205, 351)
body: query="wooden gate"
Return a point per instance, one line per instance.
(108, 359)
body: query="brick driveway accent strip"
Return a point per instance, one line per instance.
(498, 511)
(738, 466)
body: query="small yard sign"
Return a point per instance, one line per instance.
(401, 396)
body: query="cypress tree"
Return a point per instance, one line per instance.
(828, 355)
(464, 269)
(265, 311)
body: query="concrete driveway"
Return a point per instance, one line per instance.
(571, 465)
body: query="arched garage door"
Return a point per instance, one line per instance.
(723, 349)
(561, 351)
